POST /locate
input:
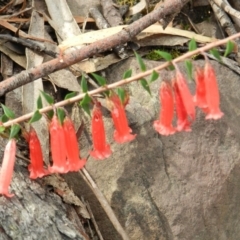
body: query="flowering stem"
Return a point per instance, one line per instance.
(124, 81)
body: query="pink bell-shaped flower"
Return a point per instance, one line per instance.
(185, 94)
(7, 168)
(58, 147)
(183, 123)
(212, 93)
(36, 166)
(200, 95)
(101, 149)
(164, 125)
(72, 149)
(122, 131)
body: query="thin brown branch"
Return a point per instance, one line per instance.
(104, 203)
(35, 46)
(124, 81)
(227, 8)
(75, 55)
(101, 24)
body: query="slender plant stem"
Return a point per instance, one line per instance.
(104, 203)
(123, 81)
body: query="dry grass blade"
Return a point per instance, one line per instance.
(104, 203)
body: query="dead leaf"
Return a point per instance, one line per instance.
(65, 79)
(31, 91)
(91, 37)
(137, 8)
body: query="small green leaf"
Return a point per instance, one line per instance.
(229, 49)
(171, 67)
(192, 45)
(167, 56)
(154, 76)
(140, 62)
(216, 54)
(84, 84)
(101, 80)
(14, 130)
(70, 95)
(121, 94)
(39, 102)
(127, 74)
(2, 129)
(85, 104)
(145, 85)
(9, 113)
(106, 93)
(47, 97)
(50, 114)
(189, 67)
(61, 115)
(36, 116)
(4, 118)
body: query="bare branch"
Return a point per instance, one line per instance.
(227, 8)
(124, 81)
(75, 55)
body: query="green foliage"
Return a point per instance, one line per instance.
(140, 62)
(167, 56)
(216, 54)
(85, 104)
(121, 94)
(145, 85)
(189, 67)
(14, 130)
(152, 55)
(229, 49)
(70, 95)
(39, 102)
(192, 45)
(9, 113)
(47, 97)
(2, 129)
(61, 115)
(127, 74)
(4, 118)
(101, 80)
(84, 84)
(154, 76)
(50, 114)
(36, 117)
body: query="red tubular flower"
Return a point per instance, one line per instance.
(7, 168)
(122, 131)
(72, 149)
(182, 116)
(212, 93)
(185, 94)
(101, 149)
(200, 96)
(58, 147)
(164, 124)
(36, 167)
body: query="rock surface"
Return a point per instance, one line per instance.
(36, 212)
(184, 186)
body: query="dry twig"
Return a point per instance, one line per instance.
(123, 81)
(227, 8)
(104, 203)
(75, 55)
